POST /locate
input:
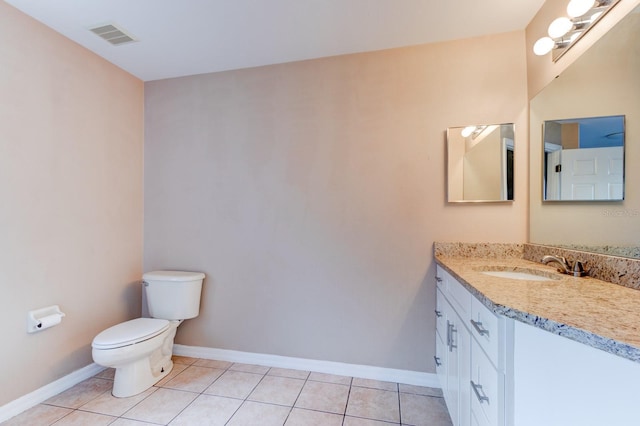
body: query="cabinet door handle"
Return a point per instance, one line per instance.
(479, 328)
(437, 360)
(438, 313)
(477, 389)
(452, 329)
(438, 279)
(448, 334)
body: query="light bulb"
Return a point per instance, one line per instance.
(543, 46)
(560, 27)
(579, 7)
(467, 131)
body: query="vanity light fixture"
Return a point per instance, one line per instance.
(565, 31)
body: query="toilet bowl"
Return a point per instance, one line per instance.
(140, 349)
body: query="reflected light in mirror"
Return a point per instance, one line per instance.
(480, 163)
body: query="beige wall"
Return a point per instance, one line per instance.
(311, 194)
(71, 140)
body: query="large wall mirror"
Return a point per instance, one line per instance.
(480, 163)
(604, 83)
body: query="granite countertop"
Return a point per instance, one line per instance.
(596, 313)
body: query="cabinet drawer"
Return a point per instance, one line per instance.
(486, 327)
(458, 296)
(487, 388)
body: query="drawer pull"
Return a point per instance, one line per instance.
(437, 360)
(438, 279)
(477, 389)
(479, 328)
(438, 313)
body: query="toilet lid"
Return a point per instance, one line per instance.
(129, 333)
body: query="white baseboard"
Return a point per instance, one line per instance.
(329, 367)
(34, 398)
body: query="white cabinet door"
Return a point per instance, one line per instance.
(559, 382)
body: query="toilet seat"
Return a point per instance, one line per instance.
(130, 333)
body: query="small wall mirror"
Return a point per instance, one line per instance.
(480, 163)
(583, 159)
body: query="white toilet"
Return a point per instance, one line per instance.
(140, 350)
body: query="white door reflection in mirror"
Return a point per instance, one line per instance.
(480, 163)
(584, 159)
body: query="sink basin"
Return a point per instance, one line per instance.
(517, 275)
(525, 274)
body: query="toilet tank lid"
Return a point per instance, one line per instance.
(173, 276)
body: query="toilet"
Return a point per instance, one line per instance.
(140, 349)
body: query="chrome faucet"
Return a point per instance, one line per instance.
(565, 267)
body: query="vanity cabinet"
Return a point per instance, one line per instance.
(453, 351)
(471, 359)
(496, 371)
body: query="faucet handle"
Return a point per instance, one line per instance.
(578, 269)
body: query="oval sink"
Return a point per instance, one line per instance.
(518, 275)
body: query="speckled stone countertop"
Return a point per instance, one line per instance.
(596, 313)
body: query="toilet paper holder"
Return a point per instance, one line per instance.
(41, 319)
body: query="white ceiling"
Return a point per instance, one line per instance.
(186, 37)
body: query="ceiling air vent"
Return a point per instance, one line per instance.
(112, 34)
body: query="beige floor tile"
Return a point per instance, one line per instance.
(234, 384)
(320, 396)
(161, 406)
(375, 384)
(287, 372)
(38, 415)
(84, 418)
(177, 369)
(112, 406)
(81, 393)
(357, 421)
(420, 390)
(107, 373)
(330, 378)
(177, 359)
(249, 368)
(258, 414)
(213, 363)
(277, 390)
(300, 417)
(420, 410)
(207, 410)
(194, 379)
(375, 404)
(129, 422)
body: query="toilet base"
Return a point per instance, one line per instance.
(137, 377)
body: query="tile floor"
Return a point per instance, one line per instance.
(208, 392)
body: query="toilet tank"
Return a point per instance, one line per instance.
(173, 295)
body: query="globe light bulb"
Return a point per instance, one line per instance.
(543, 46)
(578, 8)
(560, 27)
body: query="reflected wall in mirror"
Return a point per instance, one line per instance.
(604, 81)
(480, 163)
(583, 159)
